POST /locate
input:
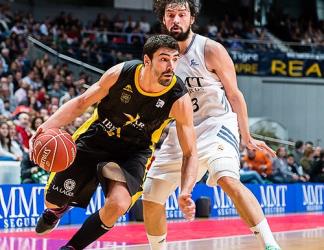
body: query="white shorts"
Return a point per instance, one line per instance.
(218, 153)
(162, 180)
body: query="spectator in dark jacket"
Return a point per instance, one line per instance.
(30, 172)
(299, 151)
(307, 160)
(296, 169)
(317, 174)
(280, 170)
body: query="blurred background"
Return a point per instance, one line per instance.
(52, 50)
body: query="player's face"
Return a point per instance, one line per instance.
(178, 21)
(163, 63)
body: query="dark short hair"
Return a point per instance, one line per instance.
(156, 42)
(290, 155)
(299, 144)
(159, 7)
(322, 154)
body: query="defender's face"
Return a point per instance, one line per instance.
(178, 20)
(163, 64)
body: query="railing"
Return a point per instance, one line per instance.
(250, 43)
(38, 50)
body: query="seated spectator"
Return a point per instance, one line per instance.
(144, 25)
(298, 151)
(36, 122)
(307, 160)
(309, 144)
(317, 153)
(317, 173)
(56, 91)
(280, 169)
(297, 169)
(31, 173)
(212, 29)
(246, 174)
(21, 97)
(250, 176)
(23, 130)
(9, 149)
(257, 160)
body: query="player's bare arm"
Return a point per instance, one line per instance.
(183, 114)
(75, 107)
(219, 62)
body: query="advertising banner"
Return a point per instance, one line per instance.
(21, 205)
(278, 64)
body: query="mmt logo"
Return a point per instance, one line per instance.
(313, 197)
(273, 198)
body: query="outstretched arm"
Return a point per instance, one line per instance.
(77, 106)
(219, 62)
(183, 114)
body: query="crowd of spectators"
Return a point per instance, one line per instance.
(30, 91)
(106, 41)
(238, 34)
(307, 35)
(304, 163)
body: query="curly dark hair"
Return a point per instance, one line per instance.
(159, 7)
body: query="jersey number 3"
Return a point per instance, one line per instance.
(195, 105)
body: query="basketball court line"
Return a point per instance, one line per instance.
(182, 235)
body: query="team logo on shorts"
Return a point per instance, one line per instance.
(220, 147)
(69, 185)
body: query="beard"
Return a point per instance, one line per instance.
(179, 36)
(165, 82)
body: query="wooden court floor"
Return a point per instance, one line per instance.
(310, 239)
(293, 232)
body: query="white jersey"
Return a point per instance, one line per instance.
(215, 123)
(206, 92)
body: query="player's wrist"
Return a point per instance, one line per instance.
(185, 192)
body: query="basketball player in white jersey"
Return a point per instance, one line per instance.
(220, 112)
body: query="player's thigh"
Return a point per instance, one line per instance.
(220, 167)
(64, 187)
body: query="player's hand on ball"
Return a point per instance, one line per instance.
(31, 143)
(187, 206)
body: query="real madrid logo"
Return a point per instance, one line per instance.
(125, 97)
(69, 185)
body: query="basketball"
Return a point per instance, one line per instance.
(54, 150)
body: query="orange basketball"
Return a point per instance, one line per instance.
(54, 150)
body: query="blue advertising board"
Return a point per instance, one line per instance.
(21, 205)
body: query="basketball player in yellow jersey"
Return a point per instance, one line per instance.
(136, 101)
(220, 113)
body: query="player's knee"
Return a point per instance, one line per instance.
(156, 191)
(227, 181)
(118, 204)
(116, 207)
(231, 185)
